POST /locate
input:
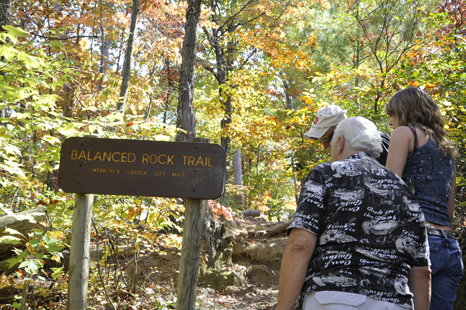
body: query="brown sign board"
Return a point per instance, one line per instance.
(142, 168)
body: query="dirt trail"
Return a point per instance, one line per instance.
(254, 266)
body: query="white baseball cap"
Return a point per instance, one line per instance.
(325, 118)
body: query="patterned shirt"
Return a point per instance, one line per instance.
(369, 227)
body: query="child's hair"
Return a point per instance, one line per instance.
(413, 105)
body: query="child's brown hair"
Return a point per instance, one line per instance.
(413, 105)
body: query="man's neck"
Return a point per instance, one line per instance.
(347, 153)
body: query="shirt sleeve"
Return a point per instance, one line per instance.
(414, 239)
(311, 208)
(421, 258)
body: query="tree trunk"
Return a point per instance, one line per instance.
(169, 91)
(105, 45)
(185, 112)
(251, 213)
(289, 102)
(277, 229)
(225, 58)
(224, 124)
(5, 13)
(5, 19)
(129, 54)
(194, 214)
(238, 177)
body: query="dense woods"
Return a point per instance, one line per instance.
(262, 69)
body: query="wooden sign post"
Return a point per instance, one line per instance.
(79, 252)
(195, 171)
(190, 251)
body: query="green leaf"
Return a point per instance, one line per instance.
(10, 240)
(8, 52)
(57, 272)
(22, 116)
(17, 32)
(12, 167)
(30, 62)
(52, 140)
(14, 260)
(31, 265)
(9, 149)
(41, 278)
(48, 240)
(58, 44)
(55, 249)
(12, 231)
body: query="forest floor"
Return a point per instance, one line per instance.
(245, 278)
(256, 251)
(256, 257)
(255, 261)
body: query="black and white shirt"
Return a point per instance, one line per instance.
(369, 227)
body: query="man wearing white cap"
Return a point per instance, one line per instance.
(325, 122)
(358, 238)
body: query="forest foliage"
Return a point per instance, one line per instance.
(262, 70)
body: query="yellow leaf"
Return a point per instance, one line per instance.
(151, 217)
(56, 234)
(131, 212)
(3, 281)
(29, 248)
(56, 258)
(13, 232)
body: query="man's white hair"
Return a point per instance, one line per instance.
(361, 134)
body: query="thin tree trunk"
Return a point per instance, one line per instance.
(289, 102)
(5, 13)
(120, 47)
(295, 182)
(185, 111)
(104, 52)
(129, 54)
(5, 19)
(169, 91)
(225, 140)
(238, 177)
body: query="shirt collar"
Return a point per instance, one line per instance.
(361, 155)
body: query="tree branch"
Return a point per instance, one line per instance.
(247, 59)
(57, 38)
(236, 14)
(233, 27)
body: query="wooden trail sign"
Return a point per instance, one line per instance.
(142, 168)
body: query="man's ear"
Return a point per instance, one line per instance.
(340, 145)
